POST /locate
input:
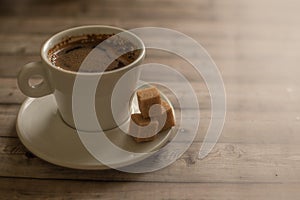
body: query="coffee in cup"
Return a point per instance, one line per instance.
(70, 53)
(83, 55)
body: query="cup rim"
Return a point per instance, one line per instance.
(44, 52)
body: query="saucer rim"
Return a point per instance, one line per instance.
(57, 162)
(44, 157)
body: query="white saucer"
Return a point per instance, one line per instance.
(43, 132)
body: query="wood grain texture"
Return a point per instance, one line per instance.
(268, 128)
(228, 162)
(63, 189)
(255, 45)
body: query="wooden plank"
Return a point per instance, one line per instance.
(212, 11)
(32, 25)
(254, 97)
(9, 92)
(278, 121)
(11, 64)
(225, 45)
(235, 163)
(240, 127)
(54, 189)
(8, 118)
(232, 71)
(133, 11)
(30, 44)
(206, 28)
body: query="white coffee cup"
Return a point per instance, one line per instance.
(60, 82)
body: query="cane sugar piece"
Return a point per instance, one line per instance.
(170, 121)
(149, 139)
(146, 98)
(141, 129)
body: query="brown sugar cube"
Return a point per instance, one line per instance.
(138, 140)
(141, 129)
(170, 121)
(146, 98)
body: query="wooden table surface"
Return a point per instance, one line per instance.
(256, 45)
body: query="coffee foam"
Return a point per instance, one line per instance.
(71, 52)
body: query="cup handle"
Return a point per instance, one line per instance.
(29, 70)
